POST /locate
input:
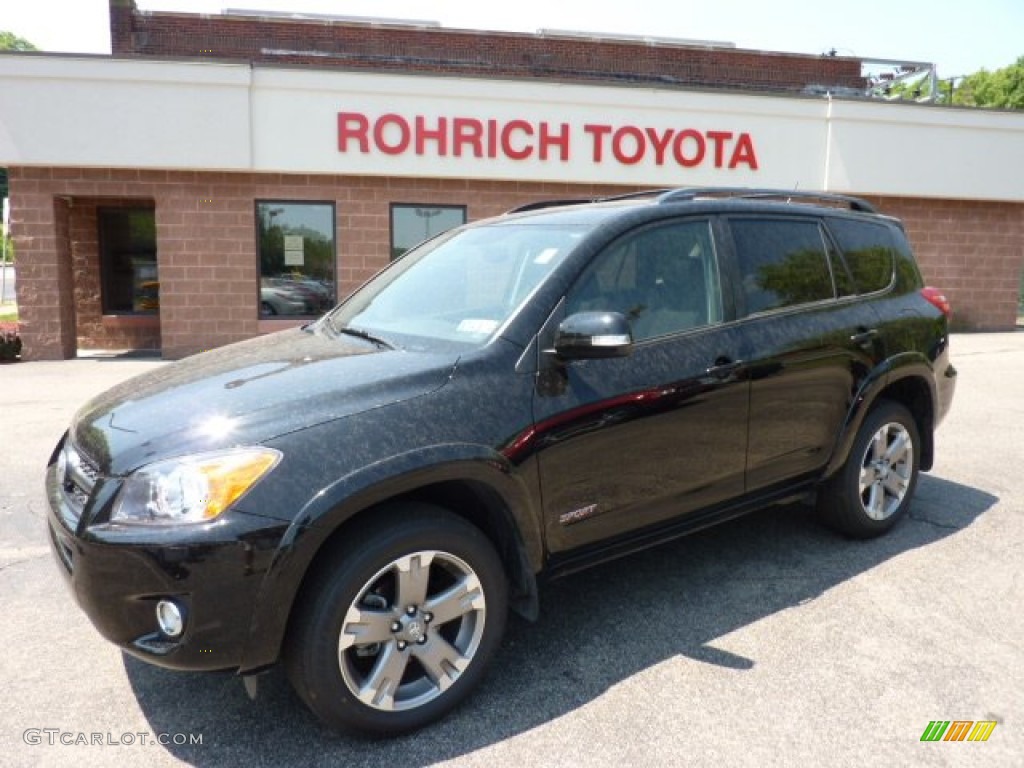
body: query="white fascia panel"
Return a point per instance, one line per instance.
(919, 151)
(99, 112)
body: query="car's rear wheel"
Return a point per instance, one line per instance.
(397, 627)
(873, 490)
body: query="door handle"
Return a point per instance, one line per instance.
(864, 336)
(723, 367)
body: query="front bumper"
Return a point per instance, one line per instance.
(118, 574)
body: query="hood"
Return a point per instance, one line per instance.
(249, 393)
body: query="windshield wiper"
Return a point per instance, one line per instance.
(359, 333)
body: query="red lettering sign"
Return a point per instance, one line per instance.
(520, 139)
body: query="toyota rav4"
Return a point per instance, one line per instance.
(364, 498)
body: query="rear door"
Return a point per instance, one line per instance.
(807, 341)
(631, 442)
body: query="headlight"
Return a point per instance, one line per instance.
(191, 489)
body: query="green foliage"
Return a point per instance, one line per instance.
(6, 244)
(800, 278)
(1002, 89)
(11, 42)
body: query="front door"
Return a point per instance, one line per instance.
(631, 442)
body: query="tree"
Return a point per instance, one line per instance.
(6, 247)
(1003, 88)
(11, 42)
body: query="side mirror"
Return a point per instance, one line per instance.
(589, 335)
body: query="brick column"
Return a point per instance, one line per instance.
(39, 224)
(122, 14)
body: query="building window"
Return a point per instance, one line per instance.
(297, 257)
(412, 224)
(128, 271)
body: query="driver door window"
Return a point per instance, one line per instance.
(664, 279)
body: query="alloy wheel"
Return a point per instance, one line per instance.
(886, 471)
(411, 631)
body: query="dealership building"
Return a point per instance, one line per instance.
(222, 176)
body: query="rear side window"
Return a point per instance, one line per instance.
(782, 263)
(867, 249)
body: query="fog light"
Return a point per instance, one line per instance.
(170, 618)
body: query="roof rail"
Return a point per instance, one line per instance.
(687, 194)
(540, 204)
(635, 195)
(692, 193)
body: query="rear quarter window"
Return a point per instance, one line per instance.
(868, 250)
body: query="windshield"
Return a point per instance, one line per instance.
(458, 288)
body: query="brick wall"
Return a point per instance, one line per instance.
(973, 250)
(325, 44)
(206, 248)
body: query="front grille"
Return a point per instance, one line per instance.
(77, 476)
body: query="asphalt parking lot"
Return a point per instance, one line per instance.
(766, 641)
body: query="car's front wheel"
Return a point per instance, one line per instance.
(398, 622)
(874, 488)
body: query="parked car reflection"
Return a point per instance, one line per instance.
(276, 300)
(316, 294)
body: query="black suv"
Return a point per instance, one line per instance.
(364, 497)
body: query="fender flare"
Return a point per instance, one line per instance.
(909, 365)
(374, 485)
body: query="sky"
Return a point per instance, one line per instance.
(959, 37)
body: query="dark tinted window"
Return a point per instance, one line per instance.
(868, 251)
(664, 279)
(131, 283)
(840, 273)
(781, 263)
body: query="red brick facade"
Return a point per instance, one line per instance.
(326, 44)
(972, 250)
(206, 248)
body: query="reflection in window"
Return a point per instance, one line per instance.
(868, 251)
(128, 270)
(782, 263)
(297, 258)
(412, 224)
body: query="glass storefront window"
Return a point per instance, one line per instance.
(412, 224)
(297, 256)
(128, 270)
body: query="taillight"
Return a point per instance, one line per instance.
(938, 299)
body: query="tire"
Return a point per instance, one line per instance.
(873, 490)
(374, 652)
(267, 309)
